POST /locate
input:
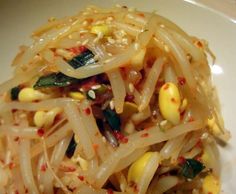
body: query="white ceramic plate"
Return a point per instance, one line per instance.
(19, 18)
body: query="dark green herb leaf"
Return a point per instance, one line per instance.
(191, 168)
(112, 118)
(15, 92)
(55, 80)
(71, 148)
(85, 58)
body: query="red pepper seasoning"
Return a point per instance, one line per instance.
(16, 192)
(191, 119)
(166, 87)
(150, 61)
(11, 165)
(16, 139)
(43, 168)
(40, 132)
(129, 98)
(82, 48)
(87, 111)
(181, 160)
(181, 81)
(199, 144)
(160, 83)
(95, 147)
(141, 15)
(81, 178)
(144, 135)
(109, 191)
(121, 137)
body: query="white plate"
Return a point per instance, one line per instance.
(19, 19)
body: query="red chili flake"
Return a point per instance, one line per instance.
(146, 129)
(81, 178)
(16, 138)
(129, 98)
(40, 132)
(11, 165)
(181, 81)
(26, 190)
(16, 192)
(74, 50)
(181, 160)
(144, 135)
(82, 48)
(89, 83)
(89, 20)
(160, 83)
(87, 111)
(199, 144)
(13, 110)
(182, 115)
(121, 137)
(198, 158)
(43, 167)
(191, 119)
(124, 73)
(166, 86)
(71, 169)
(199, 44)
(141, 14)
(95, 147)
(110, 191)
(150, 61)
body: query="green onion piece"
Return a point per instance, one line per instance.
(55, 80)
(191, 168)
(85, 58)
(112, 118)
(15, 92)
(71, 148)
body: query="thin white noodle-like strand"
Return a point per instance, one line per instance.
(118, 89)
(179, 55)
(150, 83)
(76, 122)
(26, 166)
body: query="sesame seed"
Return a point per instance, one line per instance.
(111, 40)
(131, 87)
(118, 6)
(162, 26)
(204, 136)
(85, 42)
(92, 94)
(112, 105)
(95, 87)
(85, 23)
(109, 54)
(104, 139)
(136, 46)
(85, 13)
(131, 9)
(163, 123)
(166, 48)
(125, 41)
(83, 31)
(81, 90)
